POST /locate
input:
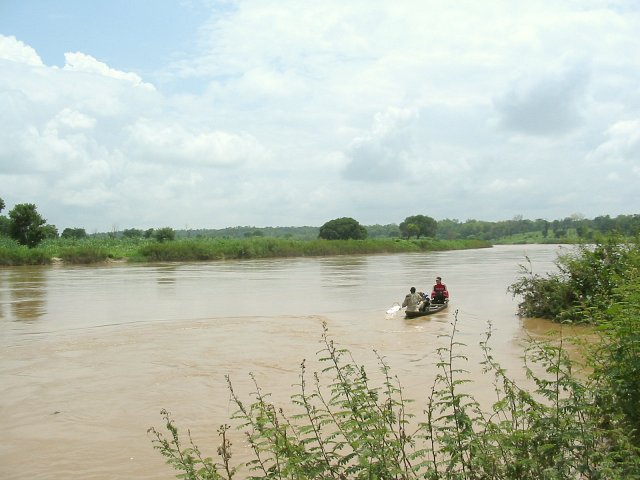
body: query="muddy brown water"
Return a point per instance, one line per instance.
(90, 355)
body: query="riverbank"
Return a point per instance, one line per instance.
(99, 250)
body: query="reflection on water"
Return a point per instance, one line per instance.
(105, 348)
(23, 291)
(343, 271)
(167, 275)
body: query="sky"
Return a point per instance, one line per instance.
(193, 114)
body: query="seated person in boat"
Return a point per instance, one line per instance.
(439, 293)
(413, 301)
(424, 306)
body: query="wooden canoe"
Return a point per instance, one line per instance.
(433, 308)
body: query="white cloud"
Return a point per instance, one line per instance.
(515, 186)
(80, 62)
(14, 50)
(171, 142)
(622, 146)
(293, 113)
(72, 120)
(384, 152)
(615, 161)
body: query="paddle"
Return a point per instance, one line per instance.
(395, 308)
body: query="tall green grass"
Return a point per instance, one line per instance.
(12, 254)
(100, 249)
(260, 247)
(74, 251)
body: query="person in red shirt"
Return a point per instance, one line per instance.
(439, 293)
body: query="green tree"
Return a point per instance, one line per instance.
(76, 233)
(449, 229)
(50, 231)
(4, 226)
(132, 233)
(27, 225)
(382, 231)
(343, 228)
(165, 234)
(4, 221)
(427, 226)
(545, 229)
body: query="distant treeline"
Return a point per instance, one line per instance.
(574, 227)
(515, 230)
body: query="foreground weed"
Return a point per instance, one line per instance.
(345, 425)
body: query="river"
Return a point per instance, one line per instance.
(90, 355)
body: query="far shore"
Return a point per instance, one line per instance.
(91, 251)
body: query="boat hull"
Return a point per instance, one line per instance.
(430, 311)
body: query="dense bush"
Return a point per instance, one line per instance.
(165, 234)
(616, 357)
(13, 254)
(345, 425)
(84, 254)
(585, 282)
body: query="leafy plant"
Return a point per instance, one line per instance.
(616, 357)
(584, 284)
(599, 285)
(346, 425)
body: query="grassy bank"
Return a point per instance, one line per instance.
(11, 253)
(85, 251)
(96, 250)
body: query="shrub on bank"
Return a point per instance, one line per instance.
(84, 254)
(584, 285)
(616, 357)
(598, 284)
(12, 256)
